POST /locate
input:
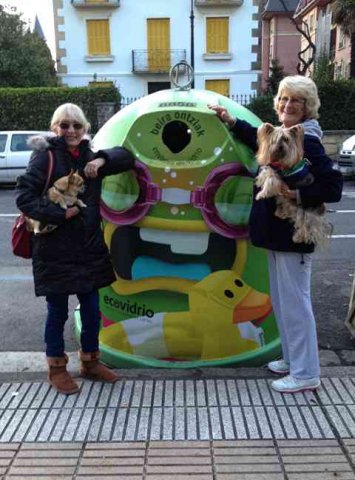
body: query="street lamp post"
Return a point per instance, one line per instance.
(192, 48)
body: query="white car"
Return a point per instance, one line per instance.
(346, 160)
(15, 153)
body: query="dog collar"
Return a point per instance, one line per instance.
(59, 190)
(300, 167)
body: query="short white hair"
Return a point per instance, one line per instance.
(69, 112)
(303, 87)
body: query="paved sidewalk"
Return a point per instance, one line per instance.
(205, 424)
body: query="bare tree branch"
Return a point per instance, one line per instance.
(303, 64)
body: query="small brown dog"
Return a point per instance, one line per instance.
(64, 192)
(281, 158)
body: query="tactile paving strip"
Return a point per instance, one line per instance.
(181, 460)
(145, 410)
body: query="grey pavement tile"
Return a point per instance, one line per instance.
(107, 423)
(137, 394)
(115, 398)
(144, 422)
(148, 393)
(337, 422)
(158, 393)
(126, 393)
(191, 423)
(201, 393)
(264, 427)
(190, 400)
(156, 424)
(274, 420)
(95, 425)
(119, 425)
(215, 422)
(72, 425)
(227, 423)
(179, 424)
(251, 422)
(203, 423)
(131, 424)
(169, 388)
(168, 423)
(45, 432)
(239, 422)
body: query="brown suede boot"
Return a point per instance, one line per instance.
(58, 376)
(92, 369)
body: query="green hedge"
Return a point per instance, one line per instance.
(32, 108)
(337, 110)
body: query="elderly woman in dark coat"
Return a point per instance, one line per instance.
(296, 102)
(73, 258)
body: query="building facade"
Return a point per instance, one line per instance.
(134, 43)
(280, 38)
(328, 37)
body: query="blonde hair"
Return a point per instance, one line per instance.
(69, 112)
(303, 87)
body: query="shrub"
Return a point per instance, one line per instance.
(32, 108)
(263, 107)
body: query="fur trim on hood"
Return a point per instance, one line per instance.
(40, 143)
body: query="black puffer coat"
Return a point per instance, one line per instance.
(270, 232)
(73, 258)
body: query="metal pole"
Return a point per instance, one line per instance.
(192, 49)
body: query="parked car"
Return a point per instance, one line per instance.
(15, 153)
(346, 160)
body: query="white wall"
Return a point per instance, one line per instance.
(128, 32)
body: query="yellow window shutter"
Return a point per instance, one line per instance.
(218, 86)
(98, 32)
(217, 31)
(158, 41)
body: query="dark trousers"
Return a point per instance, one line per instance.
(57, 305)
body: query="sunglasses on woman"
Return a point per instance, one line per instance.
(66, 126)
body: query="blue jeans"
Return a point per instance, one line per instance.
(57, 305)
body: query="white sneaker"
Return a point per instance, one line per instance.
(290, 384)
(279, 366)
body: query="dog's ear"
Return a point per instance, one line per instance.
(296, 131)
(266, 129)
(71, 173)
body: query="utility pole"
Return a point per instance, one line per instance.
(192, 48)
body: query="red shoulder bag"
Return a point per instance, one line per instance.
(21, 235)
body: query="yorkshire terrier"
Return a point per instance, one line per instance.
(281, 157)
(65, 193)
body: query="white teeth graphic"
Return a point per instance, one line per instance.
(180, 242)
(175, 196)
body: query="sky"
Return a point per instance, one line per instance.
(44, 11)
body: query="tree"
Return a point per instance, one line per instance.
(25, 59)
(323, 69)
(344, 16)
(276, 74)
(303, 28)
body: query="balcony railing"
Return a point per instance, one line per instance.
(218, 3)
(95, 3)
(155, 61)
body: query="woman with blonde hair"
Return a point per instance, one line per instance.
(73, 258)
(296, 102)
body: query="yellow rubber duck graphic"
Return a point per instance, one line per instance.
(222, 321)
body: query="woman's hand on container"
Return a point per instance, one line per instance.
(92, 167)
(223, 114)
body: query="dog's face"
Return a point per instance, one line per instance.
(280, 147)
(71, 184)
